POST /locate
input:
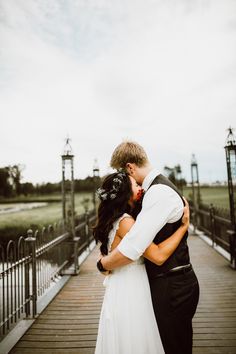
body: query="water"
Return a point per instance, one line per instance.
(15, 208)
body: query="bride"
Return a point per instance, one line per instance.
(127, 322)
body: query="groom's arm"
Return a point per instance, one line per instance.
(159, 206)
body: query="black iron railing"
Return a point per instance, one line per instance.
(216, 224)
(29, 266)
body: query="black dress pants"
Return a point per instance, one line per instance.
(175, 300)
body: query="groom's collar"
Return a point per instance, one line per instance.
(149, 178)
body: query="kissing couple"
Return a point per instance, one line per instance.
(152, 291)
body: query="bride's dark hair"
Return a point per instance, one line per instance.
(115, 193)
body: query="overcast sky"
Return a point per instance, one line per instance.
(162, 73)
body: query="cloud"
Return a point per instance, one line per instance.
(162, 73)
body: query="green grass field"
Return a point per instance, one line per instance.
(31, 198)
(18, 222)
(13, 225)
(218, 196)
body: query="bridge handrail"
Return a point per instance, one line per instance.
(29, 266)
(216, 223)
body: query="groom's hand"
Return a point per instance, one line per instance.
(113, 260)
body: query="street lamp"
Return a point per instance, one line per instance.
(68, 212)
(95, 180)
(230, 151)
(195, 193)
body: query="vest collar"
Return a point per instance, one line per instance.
(149, 178)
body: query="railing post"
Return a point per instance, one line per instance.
(212, 222)
(2, 291)
(232, 247)
(32, 253)
(76, 263)
(27, 285)
(86, 218)
(194, 216)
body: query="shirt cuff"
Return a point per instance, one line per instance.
(128, 250)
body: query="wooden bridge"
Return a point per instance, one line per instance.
(69, 323)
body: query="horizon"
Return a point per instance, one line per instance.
(188, 181)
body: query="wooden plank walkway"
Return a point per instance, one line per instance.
(69, 324)
(215, 321)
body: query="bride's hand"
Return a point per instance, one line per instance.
(107, 272)
(186, 215)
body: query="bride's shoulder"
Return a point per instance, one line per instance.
(126, 215)
(125, 224)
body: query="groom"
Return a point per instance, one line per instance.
(174, 285)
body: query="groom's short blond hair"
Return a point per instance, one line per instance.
(128, 152)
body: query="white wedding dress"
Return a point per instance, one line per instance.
(127, 322)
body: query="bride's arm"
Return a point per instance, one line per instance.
(124, 227)
(158, 254)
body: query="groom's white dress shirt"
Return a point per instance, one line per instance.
(161, 205)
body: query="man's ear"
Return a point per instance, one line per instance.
(130, 168)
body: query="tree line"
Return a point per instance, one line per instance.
(11, 184)
(175, 176)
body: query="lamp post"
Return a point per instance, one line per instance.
(230, 151)
(95, 181)
(68, 212)
(195, 190)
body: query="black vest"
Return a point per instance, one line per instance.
(181, 254)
